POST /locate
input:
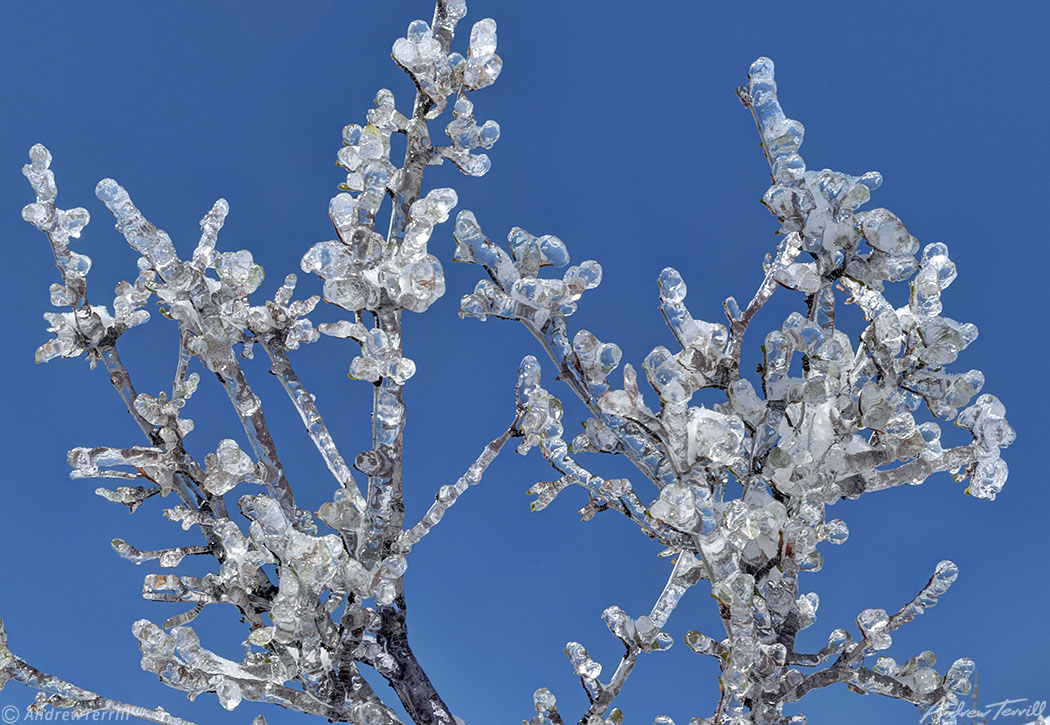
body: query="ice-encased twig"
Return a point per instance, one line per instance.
(875, 627)
(180, 662)
(316, 428)
(511, 275)
(61, 694)
(167, 462)
(448, 495)
(642, 634)
(249, 410)
(383, 462)
(156, 246)
(911, 473)
(539, 414)
(781, 136)
(130, 496)
(807, 437)
(739, 320)
(168, 557)
(940, 581)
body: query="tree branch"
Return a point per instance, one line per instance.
(316, 428)
(67, 695)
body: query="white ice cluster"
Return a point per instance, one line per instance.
(85, 328)
(357, 273)
(318, 605)
(515, 290)
(827, 418)
(739, 489)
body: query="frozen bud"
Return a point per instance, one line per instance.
(807, 609)
(926, 680)
(885, 232)
(238, 272)
(232, 459)
(836, 531)
(874, 623)
(886, 666)
(837, 641)
(672, 286)
(676, 506)
(585, 667)
(483, 38)
(229, 694)
(619, 623)
(544, 701)
(699, 642)
(959, 675)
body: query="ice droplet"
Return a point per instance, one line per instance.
(959, 675)
(483, 38)
(229, 694)
(544, 701)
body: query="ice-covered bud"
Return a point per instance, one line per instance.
(483, 66)
(958, 679)
(238, 272)
(884, 231)
(229, 694)
(585, 667)
(874, 624)
(676, 506)
(544, 701)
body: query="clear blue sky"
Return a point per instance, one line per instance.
(622, 135)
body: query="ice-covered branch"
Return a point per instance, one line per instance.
(739, 320)
(940, 581)
(540, 425)
(196, 304)
(182, 663)
(916, 681)
(448, 495)
(847, 425)
(58, 693)
(515, 291)
(167, 557)
(638, 635)
(740, 486)
(315, 426)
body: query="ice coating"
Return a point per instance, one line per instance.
(738, 490)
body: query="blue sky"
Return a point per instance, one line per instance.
(621, 134)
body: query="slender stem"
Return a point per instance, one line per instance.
(661, 611)
(386, 507)
(121, 380)
(917, 470)
(184, 360)
(249, 411)
(445, 500)
(306, 406)
(786, 254)
(745, 98)
(609, 692)
(383, 464)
